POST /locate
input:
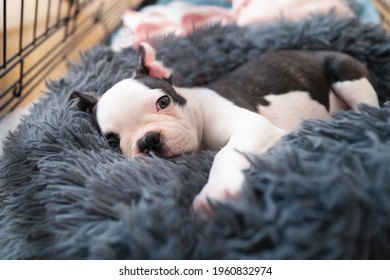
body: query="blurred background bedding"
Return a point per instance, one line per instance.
(182, 17)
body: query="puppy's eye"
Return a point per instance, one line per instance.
(113, 140)
(163, 102)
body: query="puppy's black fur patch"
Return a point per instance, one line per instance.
(285, 71)
(87, 102)
(165, 86)
(141, 74)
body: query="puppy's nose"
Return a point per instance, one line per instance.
(151, 142)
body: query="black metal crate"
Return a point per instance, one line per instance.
(38, 35)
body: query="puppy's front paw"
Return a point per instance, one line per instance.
(215, 192)
(203, 199)
(225, 180)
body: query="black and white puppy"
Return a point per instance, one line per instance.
(247, 111)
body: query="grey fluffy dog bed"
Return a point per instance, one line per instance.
(322, 193)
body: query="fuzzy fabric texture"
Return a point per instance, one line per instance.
(323, 192)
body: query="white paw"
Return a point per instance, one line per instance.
(218, 191)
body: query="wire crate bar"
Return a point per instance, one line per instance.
(44, 33)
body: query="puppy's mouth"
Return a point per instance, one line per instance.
(165, 153)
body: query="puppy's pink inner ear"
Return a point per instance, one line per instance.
(156, 68)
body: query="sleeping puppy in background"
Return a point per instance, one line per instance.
(246, 111)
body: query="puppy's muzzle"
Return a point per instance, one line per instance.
(151, 142)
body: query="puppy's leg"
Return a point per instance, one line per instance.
(255, 135)
(351, 81)
(355, 92)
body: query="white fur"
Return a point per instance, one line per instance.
(206, 121)
(280, 112)
(355, 92)
(209, 121)
(237, 131)
(129, 109)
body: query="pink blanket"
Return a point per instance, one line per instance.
(182, 18)
(259, 11)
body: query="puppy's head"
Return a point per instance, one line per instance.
(143, 114)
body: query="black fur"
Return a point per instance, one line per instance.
(286, 71)
(87, 102)
(141, 74)
(165, 86)
(113, 140)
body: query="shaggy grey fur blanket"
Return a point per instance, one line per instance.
(322, 193)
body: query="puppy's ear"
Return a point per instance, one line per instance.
(141, 69)
(148, 65)
(86, 101)
(169, 79)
